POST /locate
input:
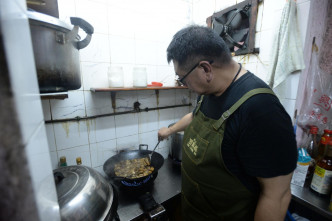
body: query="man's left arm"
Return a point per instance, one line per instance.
(274, 198)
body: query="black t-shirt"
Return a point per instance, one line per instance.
(259, 140)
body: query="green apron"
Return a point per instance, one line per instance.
(209, 190)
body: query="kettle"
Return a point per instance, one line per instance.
(175, 151)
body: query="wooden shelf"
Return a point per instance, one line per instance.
(135, 88)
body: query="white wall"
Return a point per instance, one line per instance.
(131, 33)
(127, 33)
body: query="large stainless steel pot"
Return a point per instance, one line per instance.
(83, 194)
(55, 45)
(175, 151)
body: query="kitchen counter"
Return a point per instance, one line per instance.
(166, 186)
(312, 201)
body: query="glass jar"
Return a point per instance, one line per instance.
(139, 77)
(115, 76)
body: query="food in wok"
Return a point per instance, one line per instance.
(133, 169)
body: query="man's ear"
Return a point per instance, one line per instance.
(206, 66)
(207, 70)
(209, 76)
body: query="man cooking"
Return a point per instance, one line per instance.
(239, 149)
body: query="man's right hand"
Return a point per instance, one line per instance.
(164, 133)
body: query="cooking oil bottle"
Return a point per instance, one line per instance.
(312, 149)
(322, 179)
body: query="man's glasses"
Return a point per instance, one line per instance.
(182, 81)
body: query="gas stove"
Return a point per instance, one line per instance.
(164, 188)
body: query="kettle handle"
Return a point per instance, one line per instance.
(58, 177)
(86, 27)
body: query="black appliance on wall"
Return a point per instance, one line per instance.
(237, 26)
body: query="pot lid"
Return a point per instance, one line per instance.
(83, 194)
(72, 182)
(37, 18)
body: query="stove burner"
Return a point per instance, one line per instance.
(136, 183)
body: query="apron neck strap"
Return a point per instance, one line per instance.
(199, 104)
(238, 103)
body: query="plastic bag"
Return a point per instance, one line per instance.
(317, 107)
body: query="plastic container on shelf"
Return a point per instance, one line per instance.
(115, 76)
(139, 77)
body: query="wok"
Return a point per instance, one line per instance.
(157, 161)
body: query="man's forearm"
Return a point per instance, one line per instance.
(182, 123)
(269, 208)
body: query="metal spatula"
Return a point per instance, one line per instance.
(150, 154)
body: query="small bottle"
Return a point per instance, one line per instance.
(63, 161)
(78, 161)
(323, 143)
(322, 179)
(312, 149)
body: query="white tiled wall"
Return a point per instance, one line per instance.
(127, 33)
(131, 33)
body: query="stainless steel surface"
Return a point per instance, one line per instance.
(157, 213)
(311, 200)
(83, 194)
(41, 19)
(175, 151)
(166, 186)
(36, 2)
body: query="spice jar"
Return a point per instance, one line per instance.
(63, 161)
(79, 161)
